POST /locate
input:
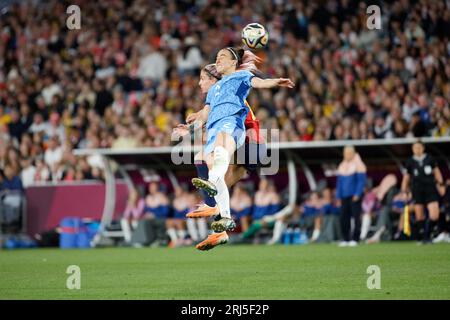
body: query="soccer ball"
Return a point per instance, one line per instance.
(255, 36)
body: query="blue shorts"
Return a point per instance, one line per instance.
(237, 215)
(260, 211)
(232, 125)
(180, 214)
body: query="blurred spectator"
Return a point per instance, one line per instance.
(351, 180)
(190, 59)
(11, 181)
(153, 65)
(330, 229)
(55, 128)
(11, 199)
(15, 126)
(156, 210)
(133, 212)
(176, 224)
(38, 124)
(311, 217)
(135, 207)
(124, 139)
(368, 205)
(42, 171)
(387, 201)
(28, 172)
(241, 206)
(444, 221)
(266, 203)
(53, 154)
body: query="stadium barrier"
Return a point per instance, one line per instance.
(49, 203)
(310, 157)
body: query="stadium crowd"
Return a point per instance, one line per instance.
(128, 81)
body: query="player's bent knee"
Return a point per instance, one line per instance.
(221, 156)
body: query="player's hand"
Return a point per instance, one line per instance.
(180, 130)
(192, 117)
(355, 198)
(441, 190)
(284, 82)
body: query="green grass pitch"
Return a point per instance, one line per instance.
(408, 271)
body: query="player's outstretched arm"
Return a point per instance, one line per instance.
(200, 116)
(193, 121)
(259, 83)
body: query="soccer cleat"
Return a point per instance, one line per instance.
(442, 237)
(209, 187)
(224, 224)
(353, 243)
(212, 241)
(203, 211)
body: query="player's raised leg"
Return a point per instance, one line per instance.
(204, 211)
(212, 241)
(219, 161)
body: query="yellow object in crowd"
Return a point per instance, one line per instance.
(162, 120)
(406, 222)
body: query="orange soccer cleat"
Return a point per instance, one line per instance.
(203, 211)
(212, 241)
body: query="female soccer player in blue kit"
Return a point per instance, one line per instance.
(224, 113)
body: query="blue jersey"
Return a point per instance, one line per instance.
(226, 97)
(161, 211)
(309, 211)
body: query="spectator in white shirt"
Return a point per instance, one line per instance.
(28, 172)
(190, 58)
(38, 124)
(54, 153)
(153, 65)
(50, 89)
(42, 171)
(54, 127)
